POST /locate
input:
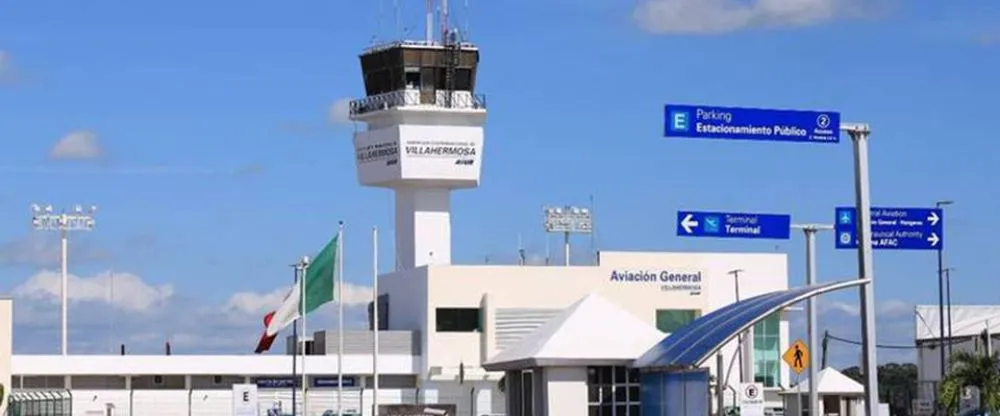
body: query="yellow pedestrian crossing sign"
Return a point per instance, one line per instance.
(797, 356)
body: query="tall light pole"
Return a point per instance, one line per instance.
(43, 218)
(567, 220)
(940, 268)
(739, 337)
(810, 231)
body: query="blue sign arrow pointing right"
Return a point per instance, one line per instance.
(893, 228)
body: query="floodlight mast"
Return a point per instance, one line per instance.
(567, 220)
(43, 218)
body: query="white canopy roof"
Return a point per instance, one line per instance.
(830, 381)
(966, 320)
(593, 331)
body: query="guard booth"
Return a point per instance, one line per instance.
(673, 380)
(40, 403)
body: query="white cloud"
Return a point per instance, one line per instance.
(146, 315)
(833, 306)
(43, 250)
(131, 293)
(80, 144)
(340, 111)
(257, 303)
(722, 16)
(895, 307)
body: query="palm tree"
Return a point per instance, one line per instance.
(972, 370)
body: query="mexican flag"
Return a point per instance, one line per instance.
(320, 286)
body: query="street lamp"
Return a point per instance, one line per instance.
(566, 220)
(940, 261)
(79, 219)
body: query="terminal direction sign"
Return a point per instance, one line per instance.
(733, 225)
(893, 228)
(797, 357)
(757, 124)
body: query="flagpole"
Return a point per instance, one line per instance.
(375, 326)
(304, 265)
(340, 318)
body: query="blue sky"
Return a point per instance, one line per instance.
(211, 137)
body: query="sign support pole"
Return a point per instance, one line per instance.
(566, 246)
(859, 136)
(720, 390)
(810, 234)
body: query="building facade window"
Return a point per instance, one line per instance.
(670, 320)
(457, 319)
(767, 351)
(613, 391)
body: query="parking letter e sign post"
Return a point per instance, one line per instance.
(245, 400)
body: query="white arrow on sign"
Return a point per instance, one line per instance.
(689, 223)
(933, 239)
(933, 218)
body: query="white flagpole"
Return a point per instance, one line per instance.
(375, 326)
(340, 318)
(301, 343)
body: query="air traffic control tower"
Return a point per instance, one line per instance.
(424, 136)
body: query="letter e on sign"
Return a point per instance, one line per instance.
(679, 120)
(246, 397)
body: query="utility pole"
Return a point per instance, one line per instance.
(940, 268)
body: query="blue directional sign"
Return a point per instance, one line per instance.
(734, 123)
(733, 225)
(893, 228)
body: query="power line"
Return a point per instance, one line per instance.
(890, 347)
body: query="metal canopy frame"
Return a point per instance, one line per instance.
(699, 340)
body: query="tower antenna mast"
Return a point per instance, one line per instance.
(429, 30)
(444, 21)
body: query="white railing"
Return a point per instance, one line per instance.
(411, 98)
(413, 44)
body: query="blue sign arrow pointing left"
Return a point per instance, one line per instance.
(733, 225)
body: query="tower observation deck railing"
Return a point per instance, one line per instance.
(414, 44)
(462, 100)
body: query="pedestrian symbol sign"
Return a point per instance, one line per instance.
(797, 357)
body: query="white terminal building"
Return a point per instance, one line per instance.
(439, 321)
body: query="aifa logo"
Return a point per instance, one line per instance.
(680, 120)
